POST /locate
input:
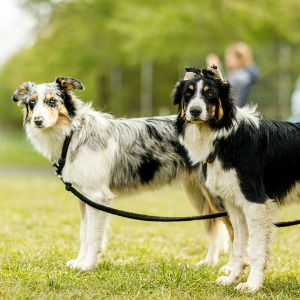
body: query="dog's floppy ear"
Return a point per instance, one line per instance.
(177, 92)
(21, 92)
(191, 72)
(214, 72)
(69, 84)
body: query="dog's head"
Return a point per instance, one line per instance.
(49, 103)
(203, 96)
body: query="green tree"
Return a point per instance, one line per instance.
(104, 42)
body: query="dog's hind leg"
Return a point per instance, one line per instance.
(218, 237)
(218, 231)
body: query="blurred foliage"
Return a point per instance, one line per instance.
(103, 43)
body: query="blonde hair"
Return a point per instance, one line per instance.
(213, 59)
(242, 52)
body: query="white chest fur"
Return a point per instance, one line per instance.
(222, 183)
(198, 141)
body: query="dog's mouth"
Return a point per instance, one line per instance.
(195, 119)
(39, 126)
(38, 123)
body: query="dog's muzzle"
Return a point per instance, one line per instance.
(38, 121)
(195, 113)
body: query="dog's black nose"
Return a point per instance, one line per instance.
(195, 111)
(38, 121)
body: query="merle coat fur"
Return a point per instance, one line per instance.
(110, 157)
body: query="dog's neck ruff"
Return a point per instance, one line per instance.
(62, 160)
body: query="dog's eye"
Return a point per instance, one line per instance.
(52, 102)
(187, 94)
(210, 94)
(31, 104)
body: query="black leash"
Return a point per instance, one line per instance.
(130, 215)
(135, 216)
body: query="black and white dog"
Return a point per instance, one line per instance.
(111, 157)
(250, 163)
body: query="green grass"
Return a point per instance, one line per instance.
(39, 229)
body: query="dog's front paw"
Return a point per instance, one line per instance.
(86, 266)
(225, 270)
(206, 262)
(245, 287)
(73, 263)
(202, 263)
(224, 280)
(83, 265)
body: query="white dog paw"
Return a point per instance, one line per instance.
(81, 265)
(85, 265)
(247, 288)
(73, 263)
(225, 280)
(205, 262)
(225, 270)
(201, 263)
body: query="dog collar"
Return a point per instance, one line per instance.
(213, 155)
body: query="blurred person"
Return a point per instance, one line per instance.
(295, 103)
(241, 71)
(213, 59)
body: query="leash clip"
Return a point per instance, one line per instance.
(68, 186)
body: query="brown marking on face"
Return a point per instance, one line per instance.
(56, 115)
(28, 116)
(212, 110)
(221, 111)
(182, 111)
(191, 87)
(34, 96)
(48, 97)
(206, 88)
(53, 114)
(63, 116)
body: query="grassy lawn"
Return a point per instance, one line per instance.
(39, 228)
